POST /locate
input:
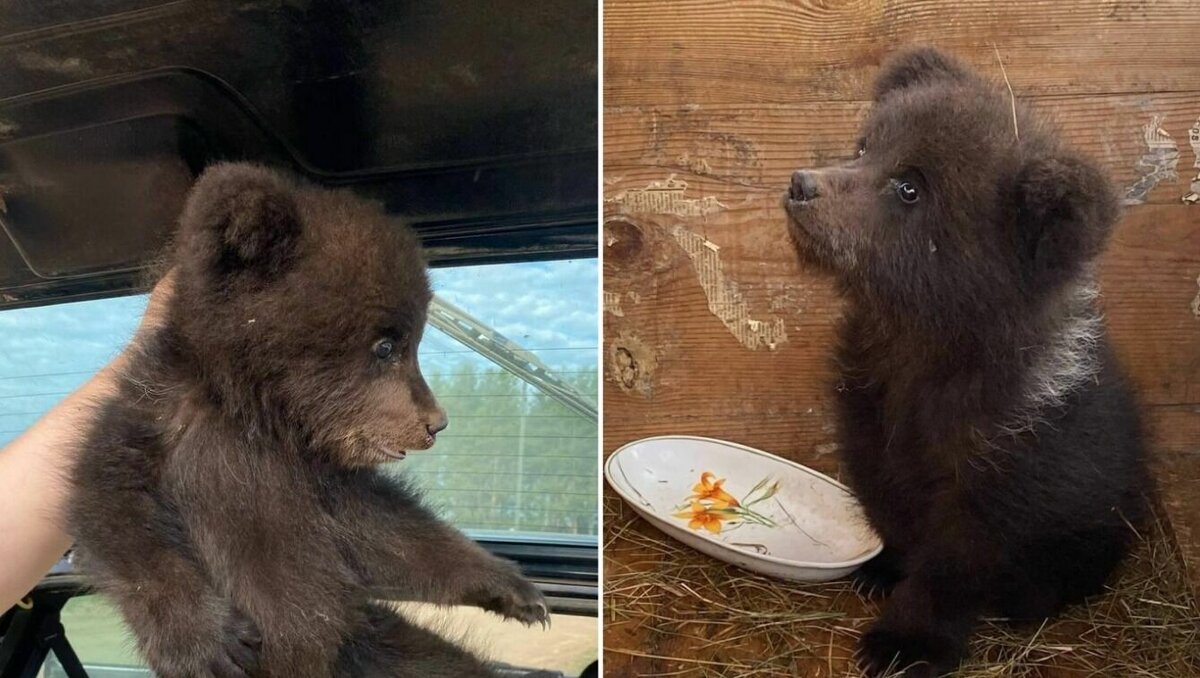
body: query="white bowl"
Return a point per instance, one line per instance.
(805, 525)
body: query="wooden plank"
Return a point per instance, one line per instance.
(758, 146)
(775, 51)
(1148, 278)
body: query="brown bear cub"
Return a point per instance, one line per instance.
(984, 424)
(228, 498)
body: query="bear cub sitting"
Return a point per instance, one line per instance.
(228, 497)
(984, 424)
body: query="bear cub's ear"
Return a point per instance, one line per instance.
(1066, 208)
(915, 65)
(242, 216)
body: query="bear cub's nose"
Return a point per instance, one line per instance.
(804, 185)
(438, 424)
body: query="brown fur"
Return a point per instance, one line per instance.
(228, 498)
(984, 425)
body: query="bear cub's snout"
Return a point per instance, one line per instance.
(804, 186)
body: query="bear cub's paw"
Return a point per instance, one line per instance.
(877, 577)
(243, 646)
(912, 654)
(510, 595)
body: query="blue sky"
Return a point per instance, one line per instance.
(544, 305)
(46, 352)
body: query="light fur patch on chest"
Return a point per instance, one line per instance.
(1064, 363)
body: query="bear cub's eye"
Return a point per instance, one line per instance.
(383, 349)
(907, 191)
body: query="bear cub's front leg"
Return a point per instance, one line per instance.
(924, 626)
(502, 589)
(407, 553)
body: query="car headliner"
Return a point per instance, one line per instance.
(475, 121)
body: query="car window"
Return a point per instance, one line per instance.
(514, 365)
(515, 458)
(48, 351)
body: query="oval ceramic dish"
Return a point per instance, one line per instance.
(744, 506)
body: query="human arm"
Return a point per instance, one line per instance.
(34, 473)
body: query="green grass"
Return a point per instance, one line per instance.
(97, 632)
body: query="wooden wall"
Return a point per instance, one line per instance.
(708, 107)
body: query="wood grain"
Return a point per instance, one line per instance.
(758, 146)
(772, 51)
(730, 98)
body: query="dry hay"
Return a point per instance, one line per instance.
(674, 612)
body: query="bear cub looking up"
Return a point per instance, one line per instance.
(228, 497)
(984, 424)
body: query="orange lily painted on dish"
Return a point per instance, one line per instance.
(710, 488)
(714, 509)
(703, 516)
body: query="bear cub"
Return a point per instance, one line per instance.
(228, 497)
(984, 424)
